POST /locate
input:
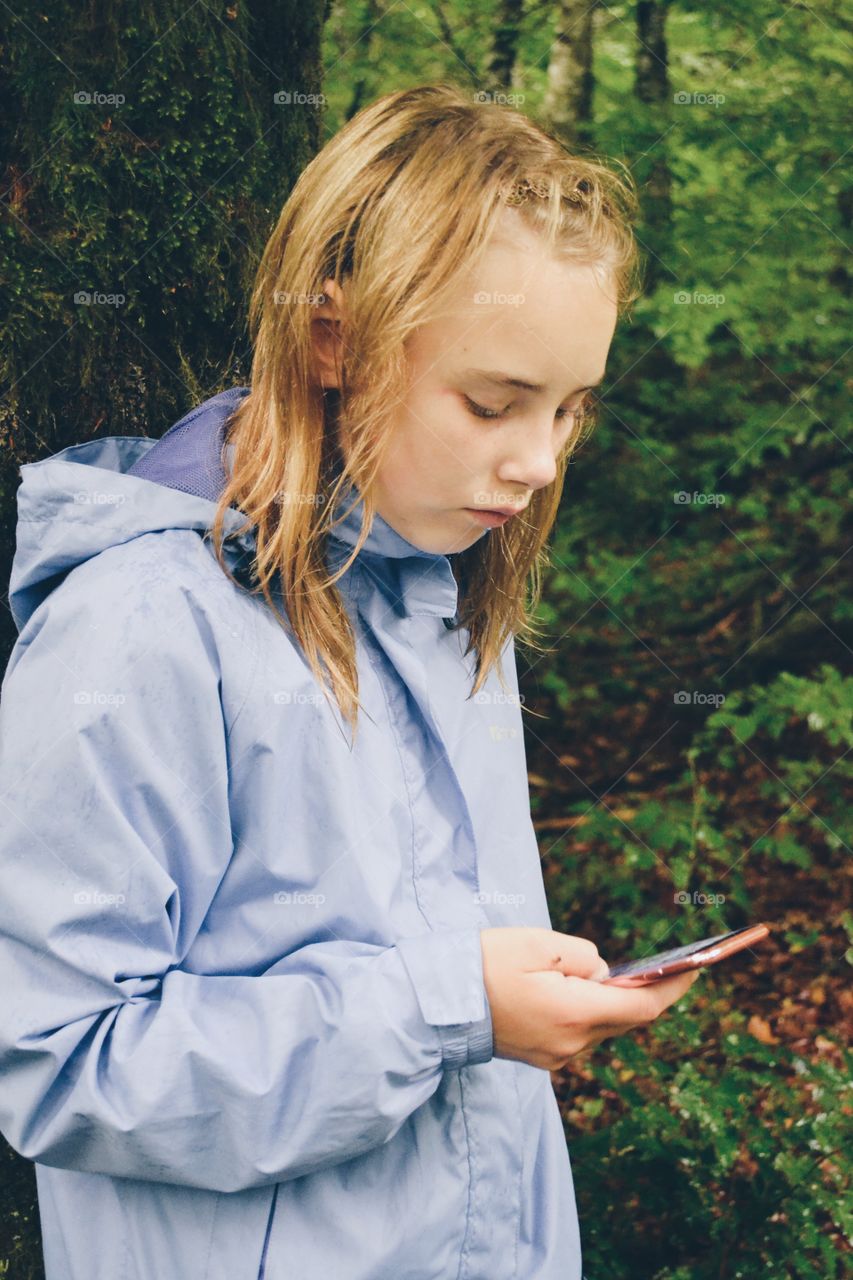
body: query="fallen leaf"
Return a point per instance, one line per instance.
(760, 1028)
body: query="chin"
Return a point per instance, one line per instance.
(436, 544)
(476, 536)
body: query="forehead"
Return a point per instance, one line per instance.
(521, 310)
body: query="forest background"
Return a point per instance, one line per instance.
(689, 751)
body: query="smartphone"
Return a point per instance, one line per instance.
(639, 973)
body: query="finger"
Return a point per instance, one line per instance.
(603, 1032)
(671, 989)
(606, 1030)
(576, 957)
(623, 1007)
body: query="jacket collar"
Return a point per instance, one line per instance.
(193, 458)
(413, 580)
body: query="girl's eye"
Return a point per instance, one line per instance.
(480, 411)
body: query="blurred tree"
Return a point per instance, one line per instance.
(651, 86)
(147, 153)
(500, 64)
(568, 101)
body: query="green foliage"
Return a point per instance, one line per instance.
(718, 1155)
(148, 159)
(805, 726)
(698, 1149)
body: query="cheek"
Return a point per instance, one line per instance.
(433, 438)
(435, 447)
(466, 439)
(409, 463)
(407, 452)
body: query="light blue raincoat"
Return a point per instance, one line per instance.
(243, 1025)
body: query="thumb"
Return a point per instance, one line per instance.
(577, 957)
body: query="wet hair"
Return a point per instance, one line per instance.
(412, 188)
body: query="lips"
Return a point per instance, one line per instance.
(501, 511)
(491, 519)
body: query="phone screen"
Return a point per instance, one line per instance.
(706, 951)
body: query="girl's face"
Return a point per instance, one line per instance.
(524, 316)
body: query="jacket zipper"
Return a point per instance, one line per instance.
(263, 1266)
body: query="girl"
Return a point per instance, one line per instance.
(281, 994)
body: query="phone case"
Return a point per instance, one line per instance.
(639, 973)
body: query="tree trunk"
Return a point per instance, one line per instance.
(372, 15)
(501, 62)
(568, 99)
(651, 169)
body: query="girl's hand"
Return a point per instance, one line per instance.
(546, 1003)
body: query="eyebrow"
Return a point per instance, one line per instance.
(524, 384)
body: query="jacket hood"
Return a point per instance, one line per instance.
(90, 496)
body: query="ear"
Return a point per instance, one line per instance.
(326, 326)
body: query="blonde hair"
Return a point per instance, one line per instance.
(410, 188)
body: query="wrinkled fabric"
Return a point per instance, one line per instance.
(243, 1026)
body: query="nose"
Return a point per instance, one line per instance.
(531, 458)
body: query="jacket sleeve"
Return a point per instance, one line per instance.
(114, 778)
